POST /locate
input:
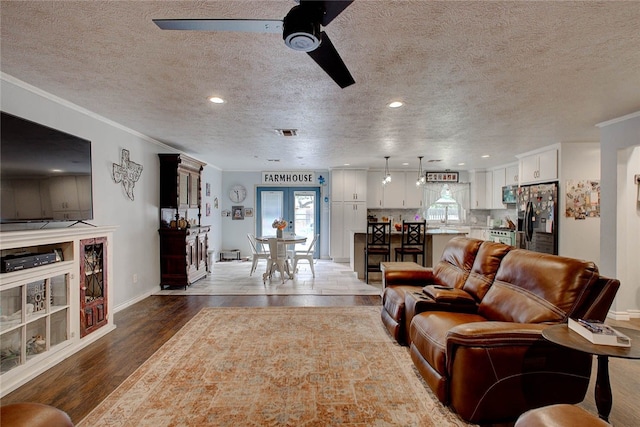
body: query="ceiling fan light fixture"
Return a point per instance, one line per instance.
(301, 30)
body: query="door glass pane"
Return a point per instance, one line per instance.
(304, 213)
(271, 207)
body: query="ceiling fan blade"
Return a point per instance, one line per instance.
(243, 25)
(327, 57)
(331, 8)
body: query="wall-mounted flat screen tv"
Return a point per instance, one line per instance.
(45, 174)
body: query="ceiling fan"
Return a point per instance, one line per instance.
(300, 30)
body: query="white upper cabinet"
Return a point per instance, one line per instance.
(497, 182)
(479, 196)
(413, 193)
(349, 185)
(539, 167)
(511, 175)
(394, 191)
(400, 193)
(374, 190)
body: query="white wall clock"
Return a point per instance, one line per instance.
(237, 193)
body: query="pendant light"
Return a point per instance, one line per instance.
(387, 176)
(422, 180)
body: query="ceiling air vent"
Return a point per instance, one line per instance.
(287, 132)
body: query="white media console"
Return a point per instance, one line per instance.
(49, 312)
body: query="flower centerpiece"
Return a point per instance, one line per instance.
(279, 224)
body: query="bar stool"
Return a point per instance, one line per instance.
(378, 244)
(413, 241)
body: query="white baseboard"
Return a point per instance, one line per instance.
(132, 301)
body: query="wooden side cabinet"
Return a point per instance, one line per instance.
(183, 255)
(93, 284)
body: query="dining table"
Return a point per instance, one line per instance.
(286, 240)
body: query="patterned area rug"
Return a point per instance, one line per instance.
(276, 366)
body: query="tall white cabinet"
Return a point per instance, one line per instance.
(348, 210)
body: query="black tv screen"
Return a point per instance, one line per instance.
(45, 174)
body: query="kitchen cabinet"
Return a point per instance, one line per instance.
(414, 195)
(539, 167)
(349, 185)
(375, 191)
(394, 191)
(479, 193)
(400, 193)
(345, 217)
(511, 175)
(497, 182)
(479, 233)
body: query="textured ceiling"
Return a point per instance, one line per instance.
(496, 78)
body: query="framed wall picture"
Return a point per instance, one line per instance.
(248, 212)
(208, 209)
(237, 212)
(446, 176)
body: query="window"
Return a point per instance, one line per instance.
(448, 206)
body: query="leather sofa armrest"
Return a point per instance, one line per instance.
(445, 294)
(418, 277)
(494, 333)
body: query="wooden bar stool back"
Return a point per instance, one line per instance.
(377, 248)
(414, 236)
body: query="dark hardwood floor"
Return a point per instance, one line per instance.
(80, 382)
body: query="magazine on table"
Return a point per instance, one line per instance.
(599, 333)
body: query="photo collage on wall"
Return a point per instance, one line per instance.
(583, 199)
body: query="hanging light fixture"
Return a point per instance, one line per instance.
(387, 176)
(422, 180)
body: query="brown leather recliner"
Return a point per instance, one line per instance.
(492, 365)
(452, 270)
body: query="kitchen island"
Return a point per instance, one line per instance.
(436, 240)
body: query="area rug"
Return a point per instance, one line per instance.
(233, 278)
(276, 366)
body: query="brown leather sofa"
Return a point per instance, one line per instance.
(479, 345)
(30, 414)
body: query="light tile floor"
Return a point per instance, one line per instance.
(232, 278)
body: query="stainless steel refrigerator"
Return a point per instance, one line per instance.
(538, 217)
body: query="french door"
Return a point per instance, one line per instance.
(299, 206)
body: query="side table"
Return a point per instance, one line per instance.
(562, 335)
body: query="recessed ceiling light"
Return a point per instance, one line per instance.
(485, 156)
(216, 100)
(405, 164)
(461, 164)
(395, 104)
(347, 164)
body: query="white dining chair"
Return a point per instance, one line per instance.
(306, 254)
(257, 252)
(277, 259)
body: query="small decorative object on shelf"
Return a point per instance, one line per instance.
(599, 333)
